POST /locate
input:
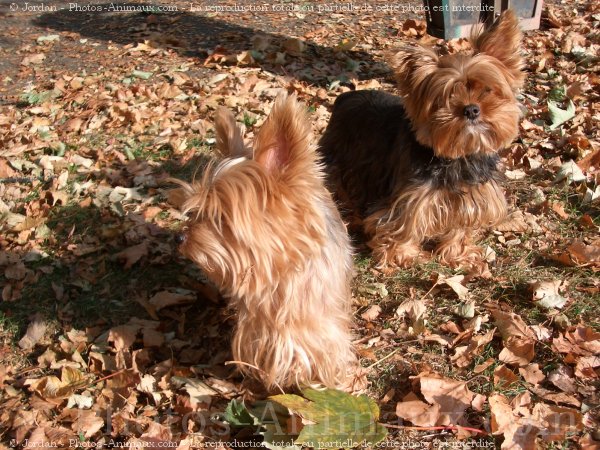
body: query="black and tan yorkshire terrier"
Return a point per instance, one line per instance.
(266, 231)
(424, 167)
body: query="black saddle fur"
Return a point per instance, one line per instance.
(370, 148)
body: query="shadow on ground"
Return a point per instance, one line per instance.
(195, 35)
(100, 265)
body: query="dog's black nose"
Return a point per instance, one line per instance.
(180, 238)
(472, 112)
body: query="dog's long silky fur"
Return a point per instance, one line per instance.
(414, 168)
(267, 232)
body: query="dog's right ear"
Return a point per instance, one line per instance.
(230, 142)
(503, 41)
(285, 137)
(412, 65)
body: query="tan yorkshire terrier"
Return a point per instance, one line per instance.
(424, 168)
(266, 231)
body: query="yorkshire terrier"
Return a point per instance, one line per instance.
(265, 230)
(424, 168)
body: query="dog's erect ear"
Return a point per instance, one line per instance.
(503, 41)
(412, 65)
(230, 142)
(284, 137)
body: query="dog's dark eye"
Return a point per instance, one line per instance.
(485, 91)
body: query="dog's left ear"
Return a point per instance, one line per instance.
(503, 41)
(412, 65)
(230, 142)
(284, 137)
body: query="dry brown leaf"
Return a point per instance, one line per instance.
(152, 338)
(446, 341)
(151, 212)
(504, 377)
(293, 46)
(164, 299)
(587, 442)
(455, 283)
(372, 313)
(563, 378)
(559, 209)
(479, 368)
(38, 58)
(123, 336)
(588, 367)
(5, 170)
(580, 254)
(562, 345)
(418, 412)
(51, 387)
(412, 27)
(84, 422)
(35, 331)
(586, 338)
(559, 398)
(517, 351)
(510, 324)
(453, 396)
(532, 374)
(557, 421)
(546, 293)
(478, 402)
(133, 254)
(388, 396)
(542, 333)
(464, 355)
(519, 432)
(414, 309)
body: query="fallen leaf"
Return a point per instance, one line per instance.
(463, 356)
(519, 432)
(585, 337)
(123, 336)
(200, 393)
(414, 309)
(518, 351)
(455, 283)
(569, 172)
(418, 412)
(587, 366)
(504, 377)
(532, 373)
(546, 294)
(479, 368)
(465, 310)
(38, 58)
(372, 313)
(563, 377)
(453, 396)
(510, 324)
(133, 254)
(35, 331)
(293, 46)
(559, 116)
(557, 421)
(164, 299)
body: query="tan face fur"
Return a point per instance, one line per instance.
(463, 104)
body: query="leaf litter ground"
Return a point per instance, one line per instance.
(109, 337)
